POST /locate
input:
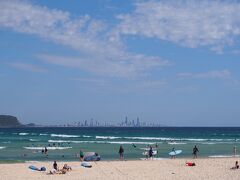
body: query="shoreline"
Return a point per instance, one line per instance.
(117, 160)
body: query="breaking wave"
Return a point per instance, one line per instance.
(43, 134)
(107, 137)
(49, 148)
(64, 135)
(100, 142)
(23, 134)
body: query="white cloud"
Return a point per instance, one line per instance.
(128, 66)
(27, 67)
(223, 74)
(101, 54)
(191, 23)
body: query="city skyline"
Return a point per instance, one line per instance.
(95, 123)
(169, 62)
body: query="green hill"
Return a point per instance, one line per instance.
(9, 121)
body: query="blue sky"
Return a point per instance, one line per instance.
(169, 62)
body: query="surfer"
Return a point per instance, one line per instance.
(173, 156)
(121, 151)
(45, 150)
(150, 152)
(195, 151)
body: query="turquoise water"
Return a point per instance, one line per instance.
(24, 144)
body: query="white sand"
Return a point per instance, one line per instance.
(218, 169)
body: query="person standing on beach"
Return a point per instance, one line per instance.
(121, 151)
(81, 154)
(173, 156)
(195, 151)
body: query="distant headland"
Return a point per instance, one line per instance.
(11, 121)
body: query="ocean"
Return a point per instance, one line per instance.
(25, 144)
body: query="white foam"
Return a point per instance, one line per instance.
(49, 148)
(42, 134)
(208, 143)
(165, 138)
(64, 135)
(176, 143)
(23, 134)
(100, 142)
(171, 139)
(127, 142)
(223, 156)
(58, 141)
(85, 136)
(2, 147)
(33, 140)
(107, 137)
(149, 138)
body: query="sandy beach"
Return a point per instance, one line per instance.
(218, 168)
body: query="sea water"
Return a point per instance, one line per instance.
(26, 144)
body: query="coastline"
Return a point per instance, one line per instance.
(206, 168)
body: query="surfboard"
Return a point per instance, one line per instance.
(86, 164)
(33, 168)
(37, 169)
(174, 153)
(146, 153)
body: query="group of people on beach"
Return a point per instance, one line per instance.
(57, 170)
(66, 168)
(150, 152)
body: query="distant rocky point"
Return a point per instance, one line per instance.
(9, 121)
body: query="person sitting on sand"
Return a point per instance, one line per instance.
(66, 167)
(55, 166)
(55, 169)
(236, 165)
